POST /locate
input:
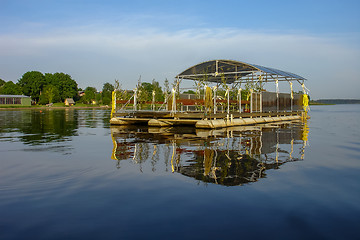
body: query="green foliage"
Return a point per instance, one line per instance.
(66, 86)
(159, 95)
(2, 82)
(143, 94)
(108, 87)
(90, 95)
(50, 94)
(145, 91)
(32, 84)
(189, 92)
(59, 86)
(106, 94)
(59, 104)
(106, 100)
(98, 97)
(10, 88)
(147, 87)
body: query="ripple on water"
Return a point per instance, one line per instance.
(48, 183)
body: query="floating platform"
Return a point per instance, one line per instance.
(199, 120)
(220, 123)
(218, 100)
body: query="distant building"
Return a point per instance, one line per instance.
(69, 102)
(15, 100)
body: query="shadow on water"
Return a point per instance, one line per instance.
(232, 156)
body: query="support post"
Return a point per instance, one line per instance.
(251, 100)
(228, 101)
(239, 99)
(135, 100)
(216, 68)
(292, 96)
(277, 94)
(205, 99)
(153, 100)
(173, 107)
(113, 105)
(215, 107)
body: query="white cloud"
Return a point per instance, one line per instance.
(95, 55)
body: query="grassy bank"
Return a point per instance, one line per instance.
(55, 106)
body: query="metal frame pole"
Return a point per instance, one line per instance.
(135, 100)
(173, 107)
(215, 108)
(277, 95)
(228, 102)
(292, 96)
(251, 100)
(239, 98)
(153, 100)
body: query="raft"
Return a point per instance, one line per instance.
(219, 101)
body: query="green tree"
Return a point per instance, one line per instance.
(108, 87)
(2, 82)
(190, 92)
(107, 93)
(49, 78)
(66, 86)
(50, 94)
(142, 94)
(90, 95)
(106, 100)
(32, 84)
(147, 91)
(159, 95)
(10, 88)
(98, 97)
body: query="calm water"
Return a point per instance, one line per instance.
(68, 174)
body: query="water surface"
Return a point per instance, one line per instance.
(68, 174)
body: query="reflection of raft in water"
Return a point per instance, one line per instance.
(231, 156)
(219, 100)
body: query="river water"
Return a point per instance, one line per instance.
(68, 174)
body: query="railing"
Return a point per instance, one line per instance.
(259, 102)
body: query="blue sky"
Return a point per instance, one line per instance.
(100, 41)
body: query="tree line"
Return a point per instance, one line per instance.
(56, 87)
(42, 88)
